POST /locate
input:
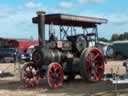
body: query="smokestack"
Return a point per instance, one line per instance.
(41, 28)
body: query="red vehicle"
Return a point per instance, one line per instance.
(25, 44)
(20, 44)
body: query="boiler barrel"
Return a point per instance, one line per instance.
(53, 55)
(45, 56)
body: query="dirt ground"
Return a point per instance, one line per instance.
(11, 86)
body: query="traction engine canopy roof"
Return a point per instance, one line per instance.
(71, 20)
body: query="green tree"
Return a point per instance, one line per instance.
(121, 37)
(115, 37)
(103, 39)
(126, 35)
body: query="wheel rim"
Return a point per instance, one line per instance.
(94, 64)
(29, 75)
(55, 75)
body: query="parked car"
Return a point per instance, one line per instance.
(12, 54)
(24, 56)
(7, 55)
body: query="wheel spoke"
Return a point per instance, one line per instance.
(93, 71)
(96, 56)
(30, 68)
(29, 75)
(97, 78)
(90, 57)
(94, 65)
(55, 79)
(101, 67)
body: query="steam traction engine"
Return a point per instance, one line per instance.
(69, 54)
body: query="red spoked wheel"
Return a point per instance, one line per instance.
(29, 75)
(94, 65)
(55, 75)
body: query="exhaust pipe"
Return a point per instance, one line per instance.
(41, 28)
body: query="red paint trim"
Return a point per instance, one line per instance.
(55, 75)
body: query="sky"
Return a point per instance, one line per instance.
(16, 15)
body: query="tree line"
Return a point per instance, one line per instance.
(115, 37)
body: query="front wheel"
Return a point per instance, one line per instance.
(55, 75)
(29, 75)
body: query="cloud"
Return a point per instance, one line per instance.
(117, 22)
(118, 19)
(32, 5)
(16, 24)
(75, 4)
(65, 5)
(5, 11)
(90, 1)
(19, 23)
(114, 18)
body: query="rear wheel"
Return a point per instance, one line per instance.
(55, 75)
(92, 65)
